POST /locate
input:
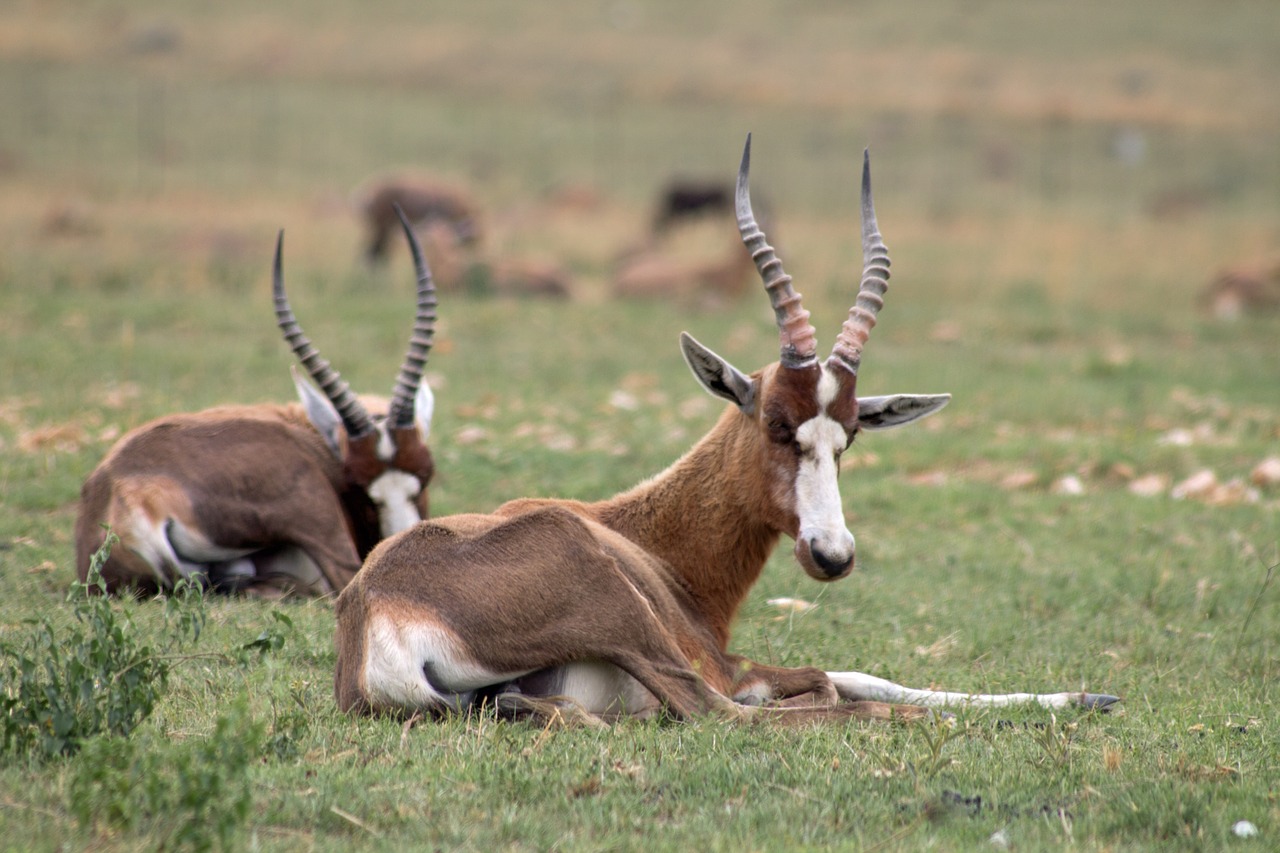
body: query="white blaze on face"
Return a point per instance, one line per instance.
(394, 492)
(395, 495)
(818, 504)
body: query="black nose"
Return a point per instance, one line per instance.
(831, 568)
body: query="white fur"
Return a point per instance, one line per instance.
(604, 690)
(857, 686)
(817, 491)
(393, 493)
(394, 660)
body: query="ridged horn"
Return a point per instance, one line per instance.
(354, 416)
(400, 415)
(799, 341)
(875, 280)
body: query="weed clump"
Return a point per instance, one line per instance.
(61, 687)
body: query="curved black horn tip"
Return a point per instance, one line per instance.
(404, 220)
(742, 195)
(415, 247)
(277, 266)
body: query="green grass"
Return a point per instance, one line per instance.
(1032, 279)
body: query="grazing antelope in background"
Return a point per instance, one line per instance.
(624, 606)
(685, 198)
(423, 202)
(267, 498)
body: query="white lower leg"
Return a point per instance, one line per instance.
(860, 686)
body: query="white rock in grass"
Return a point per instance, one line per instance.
(1000, 839)
(795, 605)
(1267, 473)
(1201, 484)
(1244, 829)
(1149, 485)
(1068, 485)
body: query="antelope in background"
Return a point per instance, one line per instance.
(1244, 289)
(420, 200)
(653, 273)
(457, 269)
(684, 198)
(623, 607)
(268, 499)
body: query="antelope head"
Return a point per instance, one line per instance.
(385, 460)
(806, 411)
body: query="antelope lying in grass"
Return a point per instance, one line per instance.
(624, 606)
(653, 273)
(268, 499)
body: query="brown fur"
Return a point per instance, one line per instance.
(246, 477)
(563, 576)
(651, 273)
(1244, 289)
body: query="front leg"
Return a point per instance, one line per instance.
(859, 686)
(759, 683)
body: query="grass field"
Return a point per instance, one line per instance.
(1056, 183)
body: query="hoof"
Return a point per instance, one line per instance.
(1098, 701)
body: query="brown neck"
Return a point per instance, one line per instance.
(706, 517)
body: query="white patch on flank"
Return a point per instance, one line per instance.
(170, 543)
(394, 660)
(393, 493)
(296, 564)
(147, 539)
(817, 490)
(604, 690)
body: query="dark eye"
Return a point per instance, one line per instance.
(781, 433)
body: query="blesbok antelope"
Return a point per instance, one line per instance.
(624, 606)
(1244, 289)
(267, 498)
(654, 273)
(457, 269)
(423, 202)
(685, 198)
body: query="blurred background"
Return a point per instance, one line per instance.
(1015, 141)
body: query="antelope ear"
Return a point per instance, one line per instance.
(717, 375)
(323, 416)
(898, 409)
(424, 406)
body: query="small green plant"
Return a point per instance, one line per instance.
(936, 735)
(192, 794)
(272, 639)
(59, 687)
(290, 724)
(1055, 741)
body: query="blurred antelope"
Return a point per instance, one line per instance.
(268, 499)
(685, 198)
(1244, 289)
(624, 606)
(423, 202)
(457, 269)
(651, 272)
